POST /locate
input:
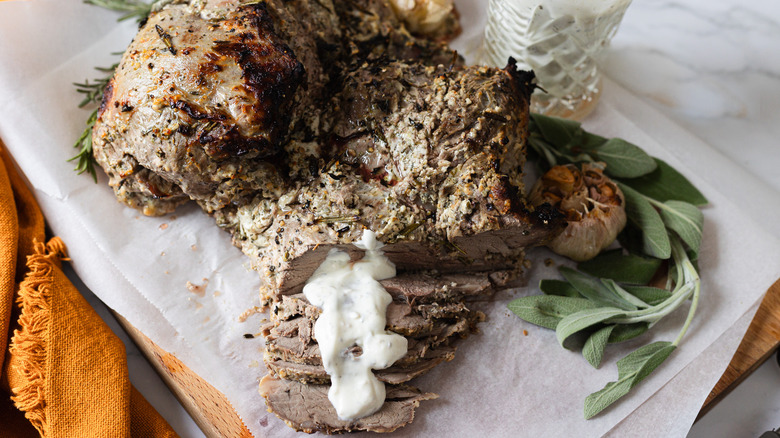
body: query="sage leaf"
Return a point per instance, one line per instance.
(591, 141)
(686, 220)
(622, 293)
(557, 131)
(625, 268)
(594, 290)
(631, 239)
(625, 332)
(632, 369)
(559, 288)
(655, 239)
(547, 310)
(650, 295)
(538, 145)
(665, 184)
(584, 319)
(624, 160)
(593, 351)
(600, 400)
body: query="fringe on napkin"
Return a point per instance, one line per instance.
(30, 341)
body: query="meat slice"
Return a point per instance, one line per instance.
(400, 319)
(306, 408)
(302, 349)
(401, 373)
(406, 315)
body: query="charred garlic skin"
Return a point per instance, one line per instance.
(593, 204)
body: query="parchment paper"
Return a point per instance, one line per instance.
(502, 382)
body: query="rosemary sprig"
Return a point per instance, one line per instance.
(93, 93)
(86, 161)
(132, 8)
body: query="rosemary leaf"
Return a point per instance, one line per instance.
(85, 161)
(132, 8)
(93, 91)
(93, 94)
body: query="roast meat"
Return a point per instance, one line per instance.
(299, 124)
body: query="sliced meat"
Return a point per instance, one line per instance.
(306, 408)
(310, 373)
(300, 350)
(400, 319)
(294, 316)
(425, 287)
(411, 287)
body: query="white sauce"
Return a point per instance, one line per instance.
(354, 306)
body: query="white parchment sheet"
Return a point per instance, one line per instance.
(502, 382)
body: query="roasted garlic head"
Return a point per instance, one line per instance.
(593, 205)
(432, 18)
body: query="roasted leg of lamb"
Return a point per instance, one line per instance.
(298, 125)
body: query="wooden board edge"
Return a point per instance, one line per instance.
(207, 406)
(760, 341)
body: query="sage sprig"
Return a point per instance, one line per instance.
(608, 299)
(560, 141)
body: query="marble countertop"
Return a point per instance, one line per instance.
(713, 67)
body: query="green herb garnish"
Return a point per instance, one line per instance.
(93, 93)
(608, 299)
(132, 8)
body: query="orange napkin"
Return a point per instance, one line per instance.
(64, 373)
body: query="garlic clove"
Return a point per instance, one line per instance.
(435, 19)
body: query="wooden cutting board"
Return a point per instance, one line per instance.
(760, 341)
(209, 408)
(213, 413)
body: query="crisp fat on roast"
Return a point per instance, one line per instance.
(299, 124)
